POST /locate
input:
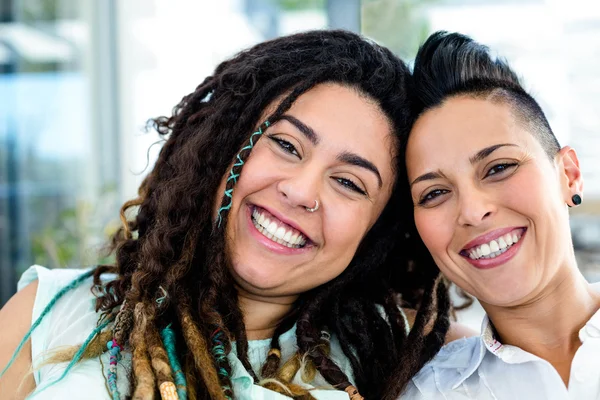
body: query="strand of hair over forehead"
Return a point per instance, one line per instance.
(173, 273)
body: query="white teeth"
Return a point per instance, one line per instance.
(293, 239)
(494, 246)
(508, 238)
(502, 243)
(485, 249)
(280, 232)
(272, 228)
(276, 232)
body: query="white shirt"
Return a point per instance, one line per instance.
(482, 368)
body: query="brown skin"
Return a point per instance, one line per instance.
(537, 300)
(15, 319)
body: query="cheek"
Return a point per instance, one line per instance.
(253, 177)
(534, 193)
(344, 229)
(435, 229)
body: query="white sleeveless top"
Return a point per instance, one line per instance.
(73, 318)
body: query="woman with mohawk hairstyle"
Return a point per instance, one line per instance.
(264, 256)
(491, 189)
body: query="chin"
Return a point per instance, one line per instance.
(508, 295)
(256, 278)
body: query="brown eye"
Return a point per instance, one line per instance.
(430, 196)
(350, 185)
(285, 146)
(500, 168)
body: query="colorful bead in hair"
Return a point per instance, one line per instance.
(168, 391)
(168, 337)
(232, 175)
(114, 349)
(353, 393)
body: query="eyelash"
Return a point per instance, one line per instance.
(285, 146)
(439, 192)
(289, 148)
(428, 197)
(504, 167)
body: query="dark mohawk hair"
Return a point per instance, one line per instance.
(452, 64)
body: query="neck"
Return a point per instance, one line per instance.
(263, 314)
(548, 326)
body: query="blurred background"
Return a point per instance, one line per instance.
(80, 78)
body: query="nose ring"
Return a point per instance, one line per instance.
(315, 208)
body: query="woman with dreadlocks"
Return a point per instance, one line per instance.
(263, 254)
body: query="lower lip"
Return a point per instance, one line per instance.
(268, 243)
(488, 263)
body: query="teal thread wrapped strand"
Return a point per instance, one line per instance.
(168, 337)
(76, 357)
(114, 349)
(232, 175)
(46, 310)
(220, 356)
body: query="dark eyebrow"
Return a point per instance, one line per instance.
(355, 159)
(481, 154)
(426, 177)
(345, 157)
(302, 127)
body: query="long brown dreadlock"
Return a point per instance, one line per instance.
(173, 246)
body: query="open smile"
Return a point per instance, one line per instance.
(277, 231)
(494, 248)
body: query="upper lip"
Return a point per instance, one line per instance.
(285, 220)
(489, 236)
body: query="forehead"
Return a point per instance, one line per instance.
(346, 120)
(462, 126)
(336, 106)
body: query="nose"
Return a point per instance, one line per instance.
(475, 207)
(301, 187)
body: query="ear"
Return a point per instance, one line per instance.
(570, 174)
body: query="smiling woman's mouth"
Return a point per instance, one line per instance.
(276, 230)
(494, 247)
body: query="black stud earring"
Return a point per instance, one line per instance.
(576, 199)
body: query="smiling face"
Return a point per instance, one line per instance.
(334, 146)
(490, 204)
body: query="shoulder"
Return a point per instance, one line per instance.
(456, 331)
(454, 362)
(15, 318)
